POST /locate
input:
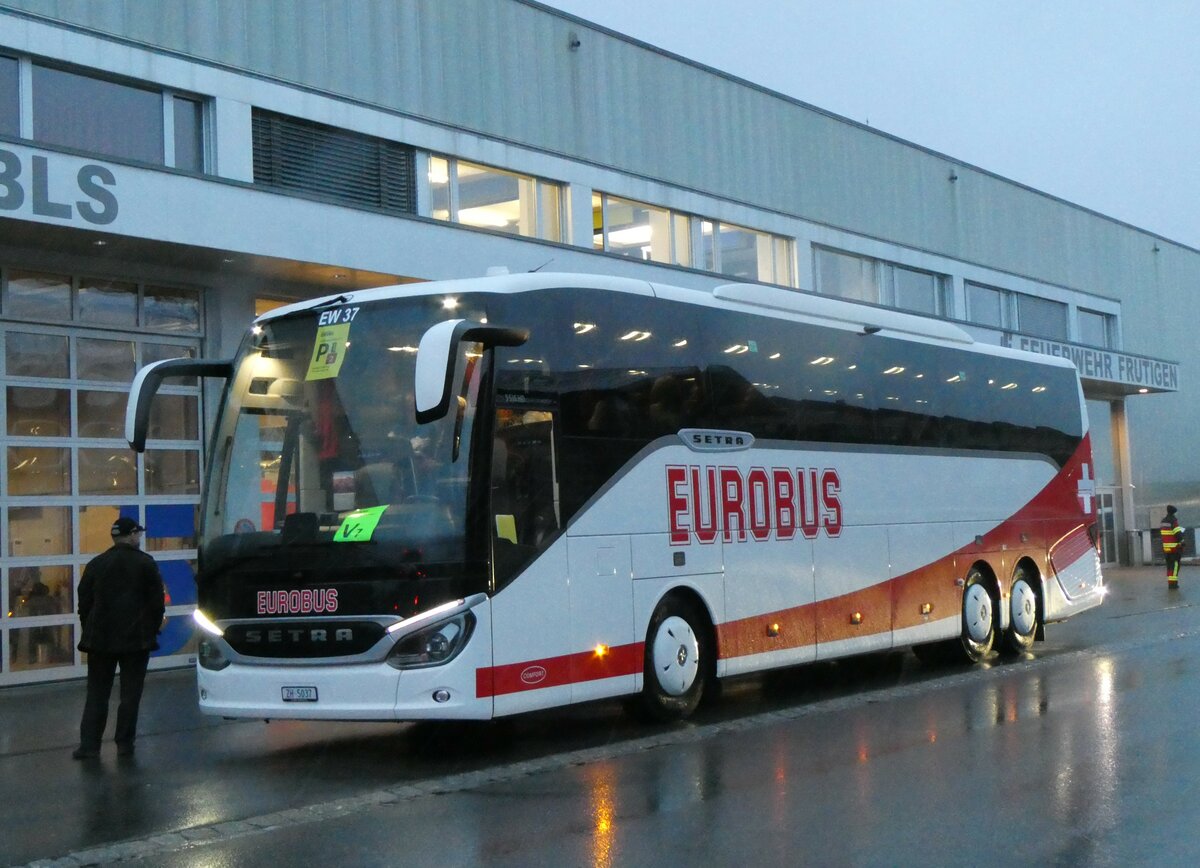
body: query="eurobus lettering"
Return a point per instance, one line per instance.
(475, 498)
(776, 503)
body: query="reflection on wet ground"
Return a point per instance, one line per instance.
(1070, 727)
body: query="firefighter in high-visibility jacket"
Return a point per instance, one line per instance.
(1172, 543)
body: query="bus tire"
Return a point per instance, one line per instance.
(677, 663)
(1023, 612)
(978, 617)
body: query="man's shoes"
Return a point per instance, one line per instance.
(84, 753)
(125, 749)
(1172, 586)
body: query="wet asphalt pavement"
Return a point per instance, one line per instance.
(1082, 753)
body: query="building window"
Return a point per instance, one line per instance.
(302, 157)
(126, 121)
(1095, 329)
(746, 253)
(987, 305)
(188, 139)
(861, 278)
(10, 111)
(917, 291)
(490, 198)
(640, 231)
(656, 234)
(1041, 317)
(847, 276)
(60, 298)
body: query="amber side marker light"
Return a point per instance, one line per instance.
(856, 618)
(773, 629)
(601, 650)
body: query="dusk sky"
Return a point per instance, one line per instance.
(1093, 101)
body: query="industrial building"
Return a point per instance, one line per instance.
(167, 170)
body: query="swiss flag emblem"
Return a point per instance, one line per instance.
(1085, 490)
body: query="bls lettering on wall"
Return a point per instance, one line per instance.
(49, 194)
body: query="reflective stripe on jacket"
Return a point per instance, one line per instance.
(1172, 534)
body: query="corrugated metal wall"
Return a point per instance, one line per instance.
(503, 68)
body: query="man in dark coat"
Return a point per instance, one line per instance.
(121, 606)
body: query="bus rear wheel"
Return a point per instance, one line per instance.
(677, 661)
(978, 617)
(1023, 614)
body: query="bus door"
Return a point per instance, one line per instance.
(531, 643)
(607, 659)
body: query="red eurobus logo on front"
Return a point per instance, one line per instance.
(757, 504)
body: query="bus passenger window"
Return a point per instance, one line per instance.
(524, 508)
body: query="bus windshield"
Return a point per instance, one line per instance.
(322, 476)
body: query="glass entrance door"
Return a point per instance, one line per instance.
(1106, 508)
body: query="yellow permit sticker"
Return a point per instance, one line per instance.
(329, 351)
(359, 526)
(506, 528)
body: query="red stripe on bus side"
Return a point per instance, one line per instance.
(829, 620)
(1071, 548)
(1053, 510)
(557, 671)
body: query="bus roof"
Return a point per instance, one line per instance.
(772, 301)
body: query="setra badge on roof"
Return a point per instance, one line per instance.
(711, 440)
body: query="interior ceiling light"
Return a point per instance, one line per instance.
(895, 369)
(582, 328)
(632, 236)
(487, 217)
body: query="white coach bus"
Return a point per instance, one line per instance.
(474, 498)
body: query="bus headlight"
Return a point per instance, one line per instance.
(211, 656)
(434, 645)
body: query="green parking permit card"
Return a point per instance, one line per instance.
(359, 525)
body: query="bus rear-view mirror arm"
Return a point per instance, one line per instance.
(437, 354)
(145, 386)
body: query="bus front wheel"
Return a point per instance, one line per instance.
(676, 661)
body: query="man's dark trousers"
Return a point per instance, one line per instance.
(102, 669)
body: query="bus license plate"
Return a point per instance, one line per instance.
(299, 694)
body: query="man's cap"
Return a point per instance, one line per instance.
(1171, 510)
(124, 526)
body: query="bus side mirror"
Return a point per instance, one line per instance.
(437, 353)
(146, 383)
